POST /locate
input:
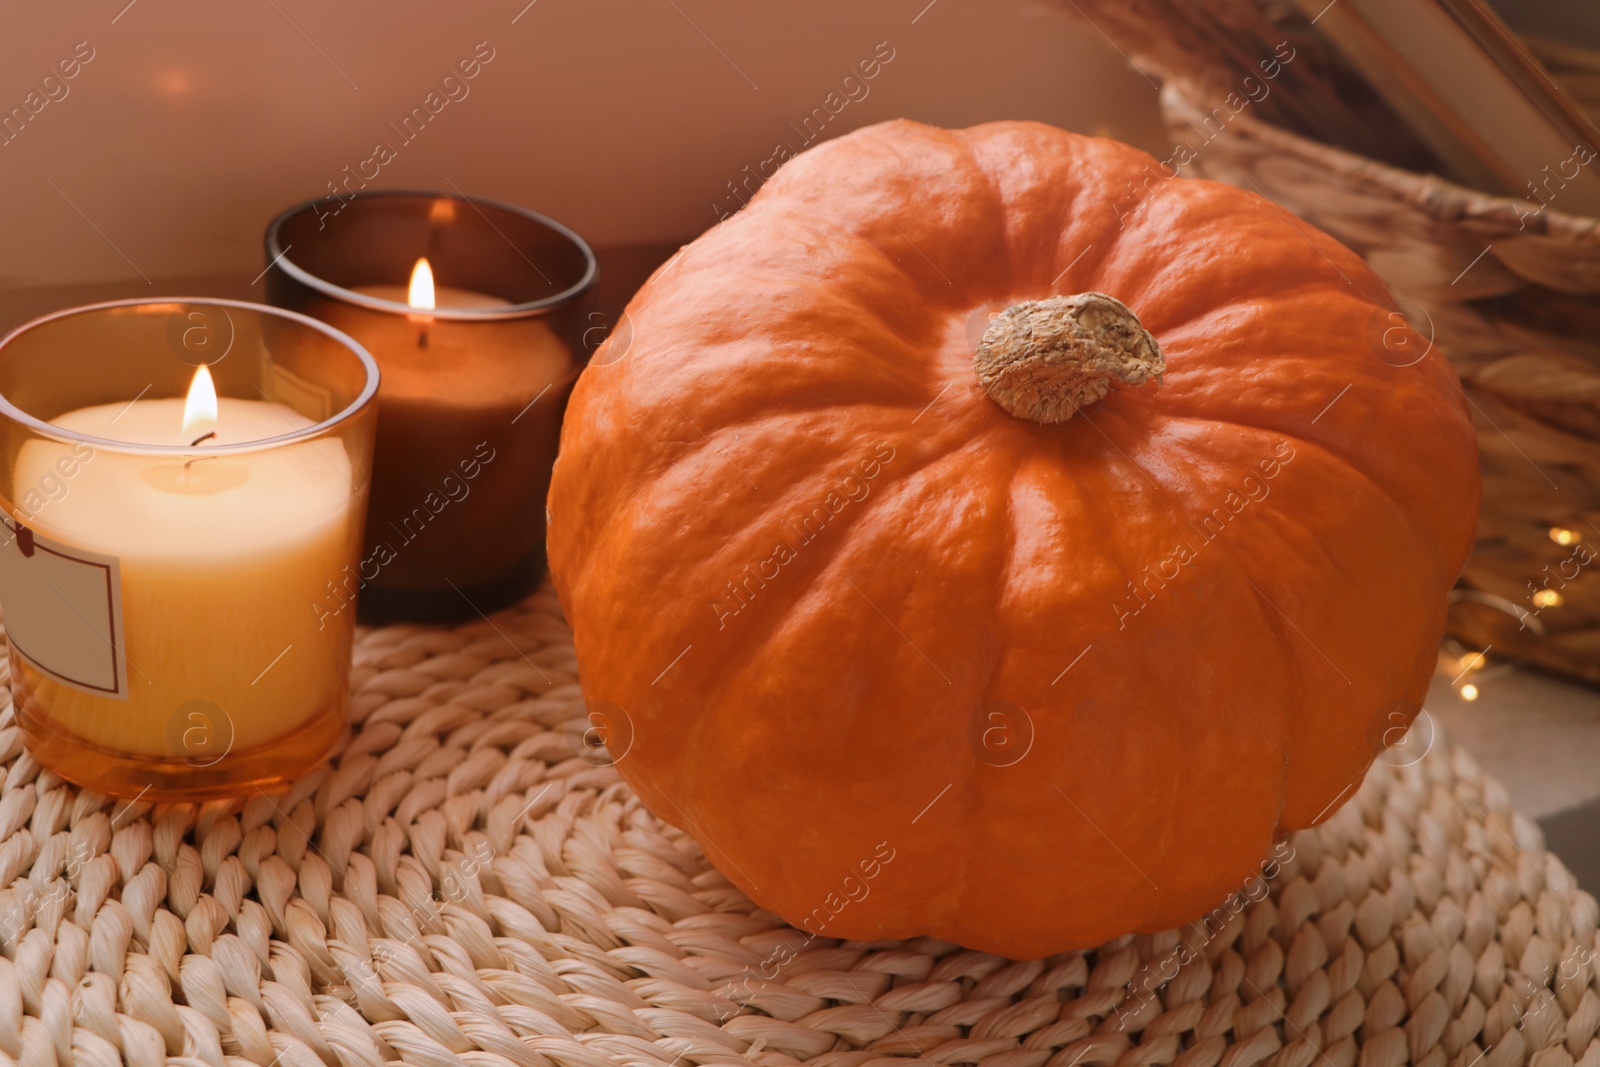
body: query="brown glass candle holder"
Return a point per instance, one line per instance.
(473, 387)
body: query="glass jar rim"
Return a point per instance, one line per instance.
(44, 428)
(277, 256)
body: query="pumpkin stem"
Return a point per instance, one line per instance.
(1045, 360)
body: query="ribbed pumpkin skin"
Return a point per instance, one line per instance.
(840, 715)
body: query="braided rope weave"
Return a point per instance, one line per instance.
(462, 887)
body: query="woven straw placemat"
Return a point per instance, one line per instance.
(465, 885)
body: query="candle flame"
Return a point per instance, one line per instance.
(421, 292)
(200, 407)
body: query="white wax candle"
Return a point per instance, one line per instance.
(462, 365)
(223, 559)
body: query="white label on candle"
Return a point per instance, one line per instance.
(63, 609)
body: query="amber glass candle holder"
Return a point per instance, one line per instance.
(474, 385)
(183, 484)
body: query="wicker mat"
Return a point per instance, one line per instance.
(468, 884)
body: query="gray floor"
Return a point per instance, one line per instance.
(1541, 738)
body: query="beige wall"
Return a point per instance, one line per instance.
(194, 121)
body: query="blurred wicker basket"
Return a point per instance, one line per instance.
(1507, 291)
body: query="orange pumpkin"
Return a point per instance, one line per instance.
(983, 536)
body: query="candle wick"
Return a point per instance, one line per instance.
(422, 337)
(196, 441)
